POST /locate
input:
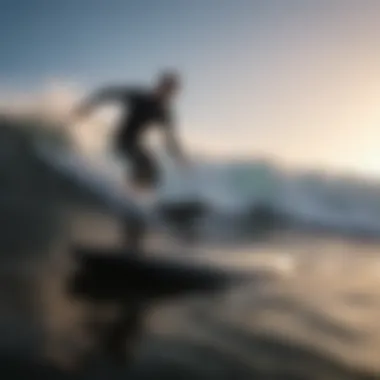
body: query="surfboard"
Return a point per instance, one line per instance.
(105, 275)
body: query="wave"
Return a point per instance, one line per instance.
(235, 189)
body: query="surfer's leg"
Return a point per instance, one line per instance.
(145, 174)
(133, 230)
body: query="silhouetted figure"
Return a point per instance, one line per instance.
(145, 107)
(142, 108)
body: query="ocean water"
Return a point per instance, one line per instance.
(311, 310)
(231, 190)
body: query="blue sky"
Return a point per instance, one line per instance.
(94, 40)
(274, 77)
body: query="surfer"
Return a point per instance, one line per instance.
(146, 107)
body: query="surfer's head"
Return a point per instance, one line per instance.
(168, 84)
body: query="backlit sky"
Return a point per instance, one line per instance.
(298, 80)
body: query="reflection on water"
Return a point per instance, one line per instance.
(315, 315)
(321, 315)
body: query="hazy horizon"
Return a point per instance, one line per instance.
(295, 81)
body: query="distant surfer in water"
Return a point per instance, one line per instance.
(145, 107)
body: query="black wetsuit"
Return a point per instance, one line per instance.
(143, 109)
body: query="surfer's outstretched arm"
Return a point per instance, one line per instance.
(103, 95)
